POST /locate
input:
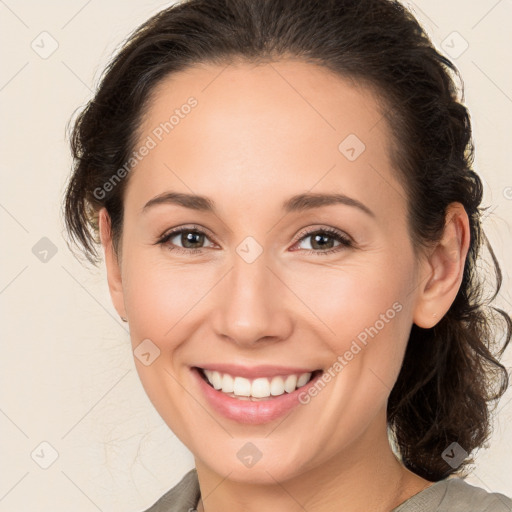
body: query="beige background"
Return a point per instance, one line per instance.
(67, 373)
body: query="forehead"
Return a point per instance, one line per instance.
(248, 96)
(263, 129)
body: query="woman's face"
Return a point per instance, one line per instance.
(272, 279)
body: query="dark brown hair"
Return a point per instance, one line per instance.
(451, 375)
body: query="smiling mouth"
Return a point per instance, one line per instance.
(262, 388)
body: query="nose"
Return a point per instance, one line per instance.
(250, 304)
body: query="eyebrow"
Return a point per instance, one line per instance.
(297, 203)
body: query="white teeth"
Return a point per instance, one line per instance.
(303, 379)
(290, 383)
(277, 386)
(217, 380)
(242, 387)
(227, 383)
(258, 388)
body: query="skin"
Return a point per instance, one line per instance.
(259, 135)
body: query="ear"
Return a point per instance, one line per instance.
(443, 270)
(111, 261)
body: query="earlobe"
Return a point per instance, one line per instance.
(443, 270)
(111, 262)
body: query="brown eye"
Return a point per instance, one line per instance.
(185, 240)
(325, 241)
(191, 239)
(322, 241)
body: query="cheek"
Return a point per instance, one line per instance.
(157, 295)
(363, 311)
(160, 301)
(348, 298)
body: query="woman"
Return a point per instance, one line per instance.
(290, 222)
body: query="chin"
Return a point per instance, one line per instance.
(265, 471)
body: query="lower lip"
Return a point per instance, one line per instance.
(246, 411)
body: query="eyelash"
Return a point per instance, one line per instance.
(345, 241)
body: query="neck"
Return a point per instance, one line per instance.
(365, 476)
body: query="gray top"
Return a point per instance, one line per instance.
(449, 495)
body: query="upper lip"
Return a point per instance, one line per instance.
(253, 372)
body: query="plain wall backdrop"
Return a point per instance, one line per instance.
(70, 397)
